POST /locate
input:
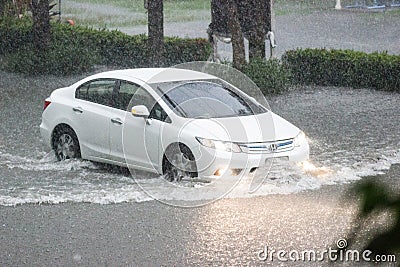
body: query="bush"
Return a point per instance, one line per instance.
(14, 34)
(87, 46)
(113, 47)
(344, 68)
(58, 60)
(269, 75)
(179, 50)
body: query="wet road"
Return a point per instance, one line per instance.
(352, 133)
(230, 232)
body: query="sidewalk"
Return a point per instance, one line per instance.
(362, 31)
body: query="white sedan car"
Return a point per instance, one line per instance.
(175, 122)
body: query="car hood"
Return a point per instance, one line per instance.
(245, 129)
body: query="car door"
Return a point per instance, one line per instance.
(92, 114)
(135, 140)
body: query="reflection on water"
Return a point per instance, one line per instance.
(310, 168)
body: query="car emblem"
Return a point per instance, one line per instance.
(273, 147)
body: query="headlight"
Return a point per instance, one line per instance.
(300, 138)
(219, 145)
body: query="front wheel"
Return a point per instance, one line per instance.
(178, 163)
(66, 144)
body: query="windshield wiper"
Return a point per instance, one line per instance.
(173, 104)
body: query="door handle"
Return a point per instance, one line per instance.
(116, 121)
(78, 109)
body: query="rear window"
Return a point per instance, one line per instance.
(98, 91)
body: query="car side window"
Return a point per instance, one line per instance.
(158, 113)
(98, 91)
(130, 95)
(126, 92)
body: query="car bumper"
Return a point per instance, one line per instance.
(45, 132)
(214, 164)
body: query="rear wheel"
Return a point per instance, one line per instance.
(178, 163)
(66, 144)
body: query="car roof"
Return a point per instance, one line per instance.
(154, 75)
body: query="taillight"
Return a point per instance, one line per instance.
(46, 104)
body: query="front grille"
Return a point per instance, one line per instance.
(268, 147)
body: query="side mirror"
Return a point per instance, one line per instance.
(140, 111)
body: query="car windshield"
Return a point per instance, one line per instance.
(207, 99)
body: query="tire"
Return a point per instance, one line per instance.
(66, 144)
(178, 163)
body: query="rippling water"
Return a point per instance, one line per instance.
(352, 133)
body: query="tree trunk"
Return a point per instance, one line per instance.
(41, 24)
(156, 32)
(3, 4)
(259, 14)
(239, 53)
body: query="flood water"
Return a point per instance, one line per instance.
(352, 133)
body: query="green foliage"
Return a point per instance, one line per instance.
(76, 49)
(7, 8)
(179, 50)
(14, 34)
(113, 47)
(57, 60)
(132, 13)
(344, 68)
(269, 75)
(376, 199)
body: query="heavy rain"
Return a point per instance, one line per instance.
(78, 212)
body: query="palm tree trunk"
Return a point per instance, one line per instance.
(156, 32)
(239, 53)
(41, 24)
(259, 25)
